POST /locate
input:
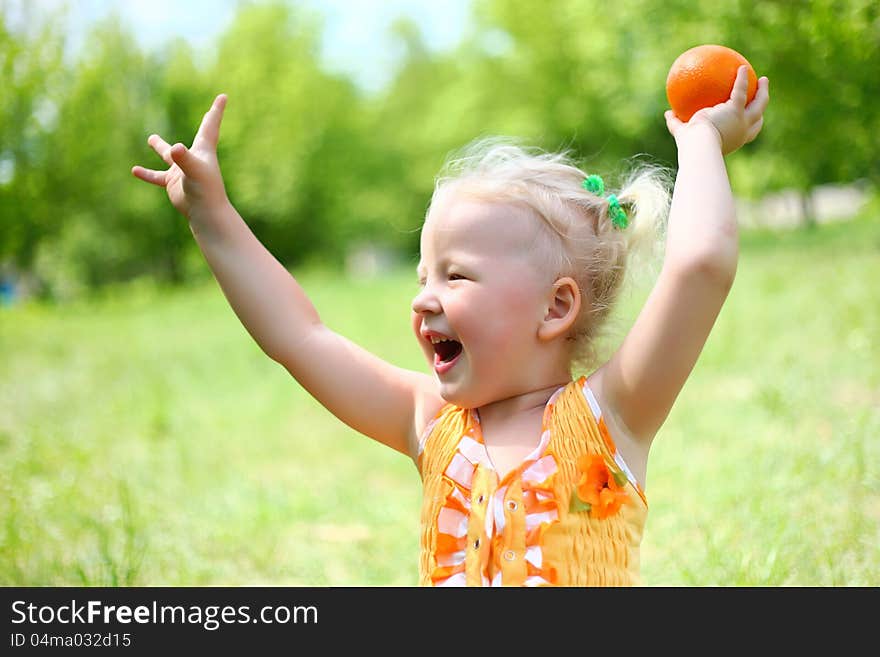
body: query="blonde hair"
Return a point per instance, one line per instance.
(593, 251)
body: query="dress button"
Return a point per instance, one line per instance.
(512, 505)
(477, 544)
(510, 555)
(480, 499)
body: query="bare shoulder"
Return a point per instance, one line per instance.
(633, 448)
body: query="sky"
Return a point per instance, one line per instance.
(356, 39)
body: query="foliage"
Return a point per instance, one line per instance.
(316, 166)
(290, 141)
(30, 68)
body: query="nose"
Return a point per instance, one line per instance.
(426, 302)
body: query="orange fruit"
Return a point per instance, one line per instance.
(703, 76)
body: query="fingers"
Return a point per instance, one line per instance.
(209, 131)
(672, 121)
(754, 130)
(162, 147)
(207, 136)
(149, 175)
(739, 93)
(183, 157)
(759, 102)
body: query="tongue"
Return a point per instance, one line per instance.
(447, 350)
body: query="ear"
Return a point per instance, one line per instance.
(563, 306)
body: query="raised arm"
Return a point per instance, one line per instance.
(370, 395)
(644, 377)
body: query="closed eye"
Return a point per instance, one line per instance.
(456, 277)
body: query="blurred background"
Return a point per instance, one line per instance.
(340, 114)
(145, 440)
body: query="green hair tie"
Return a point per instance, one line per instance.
(594, 184)
(617, 213)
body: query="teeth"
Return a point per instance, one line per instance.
(435, 339)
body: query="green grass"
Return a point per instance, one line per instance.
(146, 440)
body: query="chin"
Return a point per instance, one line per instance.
(453, 393)
(452, 396)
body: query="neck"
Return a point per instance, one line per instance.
(528, 403)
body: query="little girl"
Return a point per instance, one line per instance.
(529, 477)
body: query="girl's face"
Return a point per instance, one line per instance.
(482, 298)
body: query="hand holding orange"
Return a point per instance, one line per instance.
(703, 77)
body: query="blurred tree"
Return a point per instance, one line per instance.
(413, 124)
(314, 166)
(181, 96)
(823, 61)
(290, 144)
(593, 75)
(105, 226)
(590, 71)
(31, 72)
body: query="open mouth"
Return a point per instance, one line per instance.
(447, 350)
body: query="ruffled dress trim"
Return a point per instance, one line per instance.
(459, 513)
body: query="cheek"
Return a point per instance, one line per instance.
(416, 323)
(514, 311)
(427, 349)
(490, 327)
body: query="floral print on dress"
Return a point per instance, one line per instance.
(600, 489)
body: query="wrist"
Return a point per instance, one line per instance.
(210, 219)
(701, 132)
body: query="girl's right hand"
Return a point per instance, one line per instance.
(193, 180)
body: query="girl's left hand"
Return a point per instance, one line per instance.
(736, 122)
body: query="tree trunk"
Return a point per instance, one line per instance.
(808, 211)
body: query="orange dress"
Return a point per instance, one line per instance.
(572, 514)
